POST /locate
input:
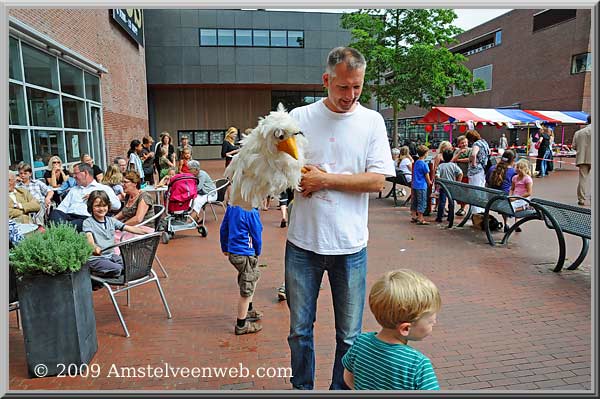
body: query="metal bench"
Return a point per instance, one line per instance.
(563, 218)
(488, 198)
(400, 179)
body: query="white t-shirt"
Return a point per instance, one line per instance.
(404, 169)
(334, 222)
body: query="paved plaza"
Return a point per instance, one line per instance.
(507, 322)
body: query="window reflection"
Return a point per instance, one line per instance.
(76, 144)
(74, 113)
(71, 79)
(18, 145)
(16, 105)
(15, 60)
(44, 108)
(48, 142)
(40, 68)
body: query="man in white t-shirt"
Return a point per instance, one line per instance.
(348, 156)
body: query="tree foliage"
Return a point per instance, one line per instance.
(408, 62)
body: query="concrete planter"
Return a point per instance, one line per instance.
(59, 324)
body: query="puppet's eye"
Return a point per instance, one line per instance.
(299, 132)
(278, 134)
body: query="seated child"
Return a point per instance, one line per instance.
(100, 232)
(241, 241)
(405, 304)
(167, 178)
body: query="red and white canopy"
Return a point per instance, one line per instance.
(501, 116)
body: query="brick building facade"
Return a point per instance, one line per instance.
(96, 37)
(530, 59)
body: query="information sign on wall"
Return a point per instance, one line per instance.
(131, 19)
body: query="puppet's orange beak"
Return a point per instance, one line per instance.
(289, 146)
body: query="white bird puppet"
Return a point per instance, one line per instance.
(270, 160)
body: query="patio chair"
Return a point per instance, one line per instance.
(221, 188)
(154, 222)
(138, 255)
(13, 298)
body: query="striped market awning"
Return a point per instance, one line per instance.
(501, 116)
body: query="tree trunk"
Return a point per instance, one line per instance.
(395, 129)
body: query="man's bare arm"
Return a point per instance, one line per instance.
(315, 179)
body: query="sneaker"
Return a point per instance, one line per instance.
(281, 294)
(249, 328)
(283, 223)
(254, 315)
(581, 203)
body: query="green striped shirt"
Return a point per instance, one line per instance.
(377, 365)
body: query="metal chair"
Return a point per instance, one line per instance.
(221, 188)
(154, 221)
(138, 255)
(13, 298)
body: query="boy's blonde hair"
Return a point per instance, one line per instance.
(403, 296)
(523, 166)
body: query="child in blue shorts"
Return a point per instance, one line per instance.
(241, 242)
(405, 303)
(420, 182)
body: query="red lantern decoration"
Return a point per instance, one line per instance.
(462, 128)
(428, 128)
(447, 128)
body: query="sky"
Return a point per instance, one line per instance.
(467, 18)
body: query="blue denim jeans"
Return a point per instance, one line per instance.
(442, 197)
(347, 278)
(544, 164)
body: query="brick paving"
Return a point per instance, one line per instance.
(507, 323)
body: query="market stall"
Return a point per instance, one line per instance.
(461, 119)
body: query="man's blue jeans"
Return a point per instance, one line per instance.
(303, 273)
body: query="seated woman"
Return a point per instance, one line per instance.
(138, 204)
(55, 176)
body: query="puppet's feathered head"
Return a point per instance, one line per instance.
(269, 161)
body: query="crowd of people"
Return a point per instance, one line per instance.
(79, 194)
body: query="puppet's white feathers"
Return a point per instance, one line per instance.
(262, 167)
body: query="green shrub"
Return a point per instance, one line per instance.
(60, 249)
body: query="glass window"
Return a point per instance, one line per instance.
(48, 142)
(243, 37)
(92, 87)
(581, 63)
(484, 73)
(295, 38)
(71, 79)
(201, 138)
(217, 137)
(40, 68)
(73, 113)
(16, 104)
(498, 39)
(278, 38)
(18, 146)
(261, 37)
(44, 108)
(15, 60)
(77, 145)
(225, 37)
(309, 99)
(208, 37)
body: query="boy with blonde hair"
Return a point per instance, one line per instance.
(405, 303)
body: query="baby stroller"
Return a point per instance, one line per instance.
(180, 195)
